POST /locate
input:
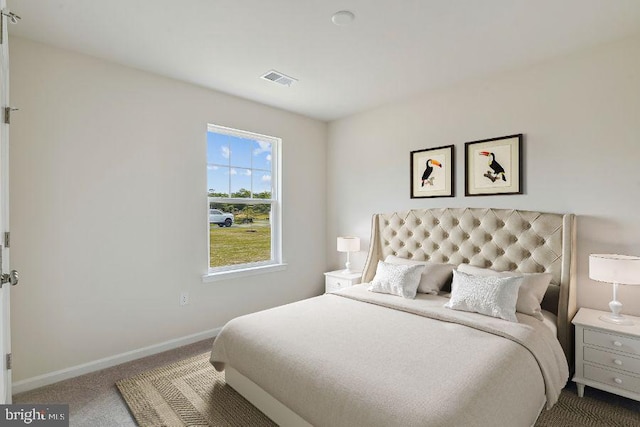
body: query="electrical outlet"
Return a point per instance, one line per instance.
(184, 298)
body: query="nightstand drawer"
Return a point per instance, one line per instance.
(614, 379)
(615, 361)
(337, 280)
(614, 342)
(335, 284)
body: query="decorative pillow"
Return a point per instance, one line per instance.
(401, 280)
(434, 276)
(488, 295)
(531, 291)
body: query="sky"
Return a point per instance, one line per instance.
(234, 163)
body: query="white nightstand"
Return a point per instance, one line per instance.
(336, 280)
(607, 355)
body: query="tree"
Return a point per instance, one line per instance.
(224, 207)
(242, 193)
(248, 213)
(263, 195)
(213, 193)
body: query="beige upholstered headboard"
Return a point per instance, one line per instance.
(501, 239)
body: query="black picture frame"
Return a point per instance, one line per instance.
(432, 172)
(493, 166)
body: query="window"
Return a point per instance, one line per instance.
(244, 206)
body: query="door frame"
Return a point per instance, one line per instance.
(5, 291)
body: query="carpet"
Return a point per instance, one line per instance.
(192, 393)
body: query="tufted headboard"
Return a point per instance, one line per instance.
(501, 239)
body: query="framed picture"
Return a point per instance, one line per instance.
(432, 172)
(493, 166)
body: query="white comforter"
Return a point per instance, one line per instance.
(363, 359)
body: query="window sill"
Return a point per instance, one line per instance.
(244, 272)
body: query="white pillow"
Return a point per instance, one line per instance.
(488, 295)
(531, 291)
(434, 276)
(401, 280)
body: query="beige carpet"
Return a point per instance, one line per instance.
(192, 393)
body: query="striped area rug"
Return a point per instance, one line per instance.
(192, 393)
(596, 409)
(188, 393)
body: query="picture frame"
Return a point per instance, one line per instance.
(432, 172)
(493, 166)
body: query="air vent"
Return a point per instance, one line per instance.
(278, 77)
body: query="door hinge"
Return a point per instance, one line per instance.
(7, 239)
(9, 360)
(7, 114)
(13, 18)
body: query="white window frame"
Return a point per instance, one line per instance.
(275, 217)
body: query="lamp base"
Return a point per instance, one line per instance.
(617, 319)
(616, 307)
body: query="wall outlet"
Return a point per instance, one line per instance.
(184, 298)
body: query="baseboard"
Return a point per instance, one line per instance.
(74, 371)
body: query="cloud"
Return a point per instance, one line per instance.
(263, 147)
(247, 172)
(233, 172)
(226, 152)
(266, 178)
(268, 157)
(212, 167)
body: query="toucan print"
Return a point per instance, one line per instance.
(426, 176)
(497, 171)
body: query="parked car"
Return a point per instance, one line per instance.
(223, 219)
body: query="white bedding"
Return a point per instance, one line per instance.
(550, 320)
(348, 359)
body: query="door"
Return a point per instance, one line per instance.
(5, 278)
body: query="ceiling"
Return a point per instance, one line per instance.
(394, 49)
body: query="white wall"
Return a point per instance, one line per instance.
(108, 209)
(581, 119)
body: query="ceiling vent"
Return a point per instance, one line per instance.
(278, 77)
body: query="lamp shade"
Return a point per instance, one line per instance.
(348, 244)
(611, 268)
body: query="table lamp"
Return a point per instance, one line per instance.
(619, 270)
(348, 245)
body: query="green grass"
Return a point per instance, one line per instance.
(240, 243)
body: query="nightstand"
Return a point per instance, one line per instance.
(607, 355)
(336, 280)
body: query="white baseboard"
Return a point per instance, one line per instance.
(74, 371)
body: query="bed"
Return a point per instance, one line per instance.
(361, 358)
